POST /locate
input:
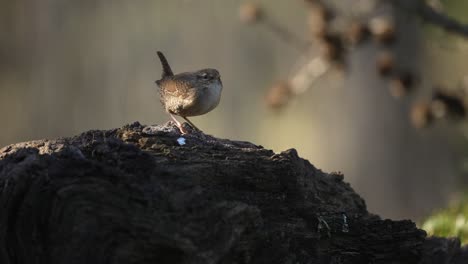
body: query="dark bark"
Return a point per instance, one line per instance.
(135, 195)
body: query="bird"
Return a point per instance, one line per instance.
(188, 93)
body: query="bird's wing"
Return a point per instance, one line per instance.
(176, 88)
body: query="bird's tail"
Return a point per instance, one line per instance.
(167, 71)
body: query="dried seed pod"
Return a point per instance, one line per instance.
(382, 29)
(318, 19)
(449, 105)
(421, 114)
(357, 32)
(278, 95)
(385, 63)
(438, 108)
(331, 47)
(250, 13)
(318, 9)
(401, 84)
(317, 26)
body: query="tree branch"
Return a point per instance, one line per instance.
(434, 17)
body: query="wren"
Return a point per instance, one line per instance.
(188, 93)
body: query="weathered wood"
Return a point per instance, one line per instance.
(135, 195)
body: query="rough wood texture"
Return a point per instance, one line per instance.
(134, 195)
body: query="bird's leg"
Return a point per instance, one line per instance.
(191, 124)
(179, 125)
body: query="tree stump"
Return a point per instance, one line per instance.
(144, 194)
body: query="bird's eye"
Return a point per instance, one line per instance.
(204, 75)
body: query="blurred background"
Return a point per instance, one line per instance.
(70, 66)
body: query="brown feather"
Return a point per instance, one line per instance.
(167, 71)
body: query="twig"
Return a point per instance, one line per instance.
(432, 16)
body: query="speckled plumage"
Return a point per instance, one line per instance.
(189, 93)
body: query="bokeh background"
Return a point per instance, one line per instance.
(70, 66)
